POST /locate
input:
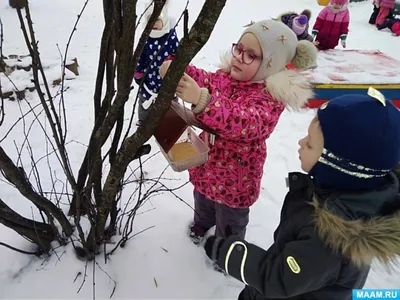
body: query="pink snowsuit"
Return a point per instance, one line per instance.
(243, 116)
(330, 27)
(384, 9)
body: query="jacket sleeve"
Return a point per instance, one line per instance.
(320, 20)
(173, 43)
(344, 26)
(201, 76)
(303, 265)
(249, 119)
(142, 65)
(305, 36)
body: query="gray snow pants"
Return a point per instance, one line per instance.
(208, 213)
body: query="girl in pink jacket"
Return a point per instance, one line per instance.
(241, 103)
(385, 6)
(332, 25)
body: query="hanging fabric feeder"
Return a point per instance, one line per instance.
(179, 144)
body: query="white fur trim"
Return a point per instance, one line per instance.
(289, 87)
(226, 58)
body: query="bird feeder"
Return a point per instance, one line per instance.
(18, 4)
(178, 142)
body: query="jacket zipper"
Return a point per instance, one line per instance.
(330, 30)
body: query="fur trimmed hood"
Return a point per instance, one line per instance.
(287, 86)
(362, 240)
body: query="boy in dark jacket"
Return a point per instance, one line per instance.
(162, 42)
(337, 218)
(375, 12)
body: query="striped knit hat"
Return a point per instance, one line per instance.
(361, 141)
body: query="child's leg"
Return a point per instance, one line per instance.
(381, 18)
(236, 218)
(204, 213)
(383, 25)
(372, 19)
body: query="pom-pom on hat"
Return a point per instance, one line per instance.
(361, 141)
(299, 24)
(279, 46)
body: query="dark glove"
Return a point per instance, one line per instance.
(213, 244)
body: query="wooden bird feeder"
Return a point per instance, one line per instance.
(179, 144)
(18, 4)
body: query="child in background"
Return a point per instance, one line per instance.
(241, 103)
(336, 219)
(375, 12)
(332, 25)
(162, 42)
(393, 25)
(384, 6)
(299, 23)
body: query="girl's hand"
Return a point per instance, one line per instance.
(164, 68)
(188, 90)
(316, 43)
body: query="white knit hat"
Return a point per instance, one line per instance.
(278, 44)
(280, 47)
(164, 17)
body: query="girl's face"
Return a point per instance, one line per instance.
(336, 6)
(311, 146)
(158, 25)
(247, 50)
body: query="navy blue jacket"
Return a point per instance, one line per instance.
(300, 264)
(154, 53)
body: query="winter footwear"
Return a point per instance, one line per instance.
(218, 269)
(196, 233)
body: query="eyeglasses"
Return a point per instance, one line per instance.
(247, 56)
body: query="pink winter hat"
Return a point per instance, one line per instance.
(340, 2)
(299, 24)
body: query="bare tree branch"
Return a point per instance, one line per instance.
(17, 177)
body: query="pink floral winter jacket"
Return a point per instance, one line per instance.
(243, 116)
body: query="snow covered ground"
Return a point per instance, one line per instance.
(181, 271)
